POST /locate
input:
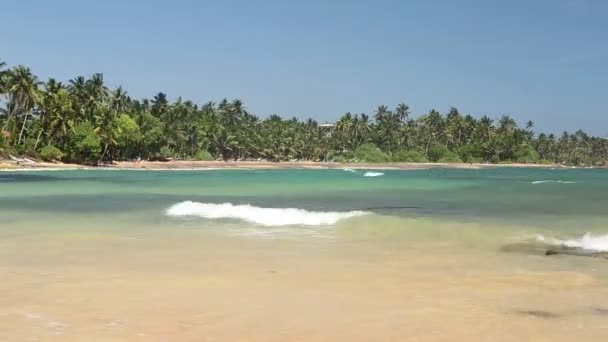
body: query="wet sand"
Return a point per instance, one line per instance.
(192, 285)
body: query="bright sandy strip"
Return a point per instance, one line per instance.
(194, 165)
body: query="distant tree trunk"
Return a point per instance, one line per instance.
(38, 138)
(103, 155)
(22, 128)
(8, 119)
(11, 111)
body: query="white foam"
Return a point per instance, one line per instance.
(587, 242)
(261, 216)
(349, 170)
(373, 174)
(553, 181)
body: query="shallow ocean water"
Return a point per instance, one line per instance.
(107, 255)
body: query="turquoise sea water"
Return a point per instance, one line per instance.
(567, 201)
(279, 255)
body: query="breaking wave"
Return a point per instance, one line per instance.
(261, 216)
(373, 174)
(588, 242)
(553, 181)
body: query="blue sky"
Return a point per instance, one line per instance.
(544, 60)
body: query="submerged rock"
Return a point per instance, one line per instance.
(543, 249)
(575, 251)
(539, 314)
(599, 311)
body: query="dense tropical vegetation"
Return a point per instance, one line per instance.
(85, 122)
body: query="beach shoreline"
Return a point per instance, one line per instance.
(9, 165)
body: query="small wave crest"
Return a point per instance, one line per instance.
(588, 242)
(261, 216)
(553, 181)
(349, 170)
(373, 174)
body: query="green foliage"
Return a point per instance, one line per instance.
(369, 153)
(50, 153)
(27, 148)
(450, 157)
(151, 134)
(340, 159)
(128, 135)
(526, 154)
(437, 152)
(84, 144)
(5, 149)
(475, 160)
(203, 155)
(166, 153)
(88, 122)
(128, 130)
(471, 153)
(409, 156)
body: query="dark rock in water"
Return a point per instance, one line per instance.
(574, 251)
(539, 314)
(543, 249)
(599, 311)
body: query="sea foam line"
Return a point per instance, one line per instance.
(588, 242)
(373, 174)
(553, 181)
(258, 215)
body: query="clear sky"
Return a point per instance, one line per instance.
(544, 60)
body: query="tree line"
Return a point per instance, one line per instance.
(83, 121)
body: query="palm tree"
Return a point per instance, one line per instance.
(403, 112)
(506, 125)
(96, 95)
(223, 142)
(361, 130)
(434, 127)
(48, 105)
(23, 93)
(454, 129)
(160, 105)
(78, 92)
(228, 130)
(106, 127)
(3, 74)
(485, 129)
(381, 112)
(57, 111)
(61, 117)
(529, 125)
(343, 130)
(119, 100)
(388, 125)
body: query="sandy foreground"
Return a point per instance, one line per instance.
(187, 164)
(91, 284)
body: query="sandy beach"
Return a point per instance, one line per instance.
(261, 165)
